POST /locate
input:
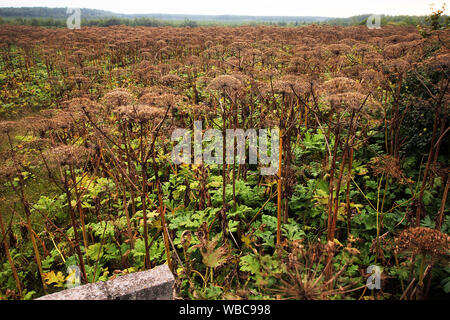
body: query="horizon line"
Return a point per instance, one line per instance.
(221, 15)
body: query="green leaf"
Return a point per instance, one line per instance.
(446, 285)
(94, 251)
(427, 197)
(249, 263)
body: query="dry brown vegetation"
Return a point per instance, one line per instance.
(351, 190)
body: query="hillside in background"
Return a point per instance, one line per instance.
(55, 13)
(60, 13)
(56, 17)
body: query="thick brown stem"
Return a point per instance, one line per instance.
(75, 229)
(427, 168)
(336, 200)
(440, 217)
(349, 215)
(127, 215)
(279, 188)
(8, 255)
(224, 165)
(147, 261)
(331, 183)
(80, 211)
(162, 212)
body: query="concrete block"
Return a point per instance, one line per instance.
(154, 284)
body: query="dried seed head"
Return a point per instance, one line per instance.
(170, 79)
(340, 85)
(160, 101)
(168, 100)
(396, 66)
(139, 113)
(387, 165)
(441, 61)
(225, 82)
(37, 124)
(426, 241)
(10, 167)
(338, 49)
(7, 126)
(291, 84)
(155, 90)
(65, 155)
(62, 120)
(372, 77)
(80, 105)
(352, 100)
(192, 61)
(117, 97)
(149, 99)
(400, 49)
(269, 73)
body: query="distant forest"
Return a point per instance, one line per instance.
(56, 17)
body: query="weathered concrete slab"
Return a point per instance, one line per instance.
(154, 284)
(91, 291)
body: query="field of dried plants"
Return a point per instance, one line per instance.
(87, 179)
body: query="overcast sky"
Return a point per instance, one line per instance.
(327, 8)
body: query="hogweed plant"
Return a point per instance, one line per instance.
(258, 162)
